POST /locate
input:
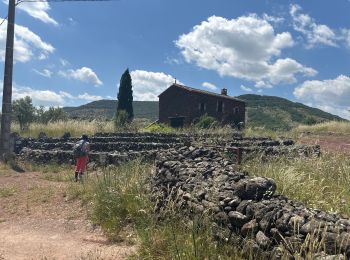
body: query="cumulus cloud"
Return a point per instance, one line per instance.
(247, 89)
(147, 85)
(37, 10)
(245, 48)
(27, 44)
(45, 73)
(40, 97)
(316, 34)
(83, 74)
(49, 98)
(209, 86)
(332, 95)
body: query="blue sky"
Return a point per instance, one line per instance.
(68, 54)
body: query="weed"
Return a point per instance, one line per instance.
(7, 191)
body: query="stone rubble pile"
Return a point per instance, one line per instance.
(198, 180)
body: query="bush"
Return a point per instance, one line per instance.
(159, 128)
(206, 122)
(121, 119)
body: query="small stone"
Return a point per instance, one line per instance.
(237, 219)
(262, 240)
(249, 228)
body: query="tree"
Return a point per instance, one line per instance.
(24, 112)
(51, 115)
(125, 97)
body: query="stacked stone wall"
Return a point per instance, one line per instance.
(198, 180)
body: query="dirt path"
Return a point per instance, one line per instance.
(37, 221)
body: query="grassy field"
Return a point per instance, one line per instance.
(333, 127)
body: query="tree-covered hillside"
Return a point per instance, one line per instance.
(279, 113)
(107, 108)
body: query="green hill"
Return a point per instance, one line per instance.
(105, 109)
(263, 111)
(280, 113)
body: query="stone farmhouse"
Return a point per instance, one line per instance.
(180, 105)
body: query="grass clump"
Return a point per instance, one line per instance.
(321, 183)
(6, 192)
(119, 200)
(206, 122)
(159, 128)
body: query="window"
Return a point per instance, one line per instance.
(220, 107)
(202, 107)
(236, 110)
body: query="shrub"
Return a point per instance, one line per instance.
(206, 122)
(121, 119)
(159, 128)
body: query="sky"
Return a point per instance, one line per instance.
(72, 53)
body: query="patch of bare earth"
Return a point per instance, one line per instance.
(37, 221)
(329, 143)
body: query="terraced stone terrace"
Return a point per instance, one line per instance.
(115, 148)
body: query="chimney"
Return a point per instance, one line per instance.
(224, 91)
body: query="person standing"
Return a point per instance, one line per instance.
(81, 152)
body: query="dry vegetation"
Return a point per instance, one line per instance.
(333, 127)
(321, 183)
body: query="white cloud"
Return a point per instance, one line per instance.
(83, 74)
(89, 97)
(316, 34)
(48, 98)
(332, 95)
(148, 85)
(64, 62)
(39, 97)
(37, 10)
(45, 73)
(27, 44)
(273, 19)
(346, 36)
(247, 89)
(245, 48)
(209, 86)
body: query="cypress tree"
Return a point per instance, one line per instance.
(125, 97)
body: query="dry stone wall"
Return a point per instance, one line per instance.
(198, 180)
(109, 148)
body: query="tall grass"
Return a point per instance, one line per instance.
(338, 127)
(74, 127)
(321, 183)
(119, 200)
